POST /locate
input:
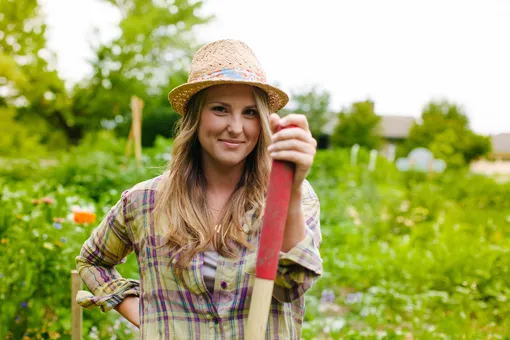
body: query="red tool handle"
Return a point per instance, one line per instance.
(275, 217)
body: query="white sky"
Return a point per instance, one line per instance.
(399, 53)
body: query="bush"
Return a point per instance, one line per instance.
(160, 122)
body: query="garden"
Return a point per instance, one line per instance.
(406, 254)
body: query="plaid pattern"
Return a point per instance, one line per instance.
(184, 309)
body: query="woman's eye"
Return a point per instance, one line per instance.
(219, 109)
(251, 112)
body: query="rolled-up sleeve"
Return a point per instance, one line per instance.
(108, 246)
(301, 266)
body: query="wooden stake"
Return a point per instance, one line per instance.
(136, 110)
(76, 310)
(135, 132)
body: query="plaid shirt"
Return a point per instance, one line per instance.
(173, 309)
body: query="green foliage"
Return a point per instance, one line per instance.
(150, 54)
(31, 85)
(158, 118)
(159, 123)
(16, 139)
(147, 59)
(11, 73)
(36, 256)
(410, 255)
(443, 147)
(445, 131)
(358, 125)
(314, 104)
(39, 239)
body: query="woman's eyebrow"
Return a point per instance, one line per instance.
(254, 106)
(218, 102)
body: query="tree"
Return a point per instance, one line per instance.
(158, 118)
(445, 131)
(358, 125)
(28, 82)
(15, 138)
(314, 104)
(152, 51)
(442, 146)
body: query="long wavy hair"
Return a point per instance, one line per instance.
(188, 227)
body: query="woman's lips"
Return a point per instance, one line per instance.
(231, 144)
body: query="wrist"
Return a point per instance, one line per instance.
(295, 202)
(296, 192)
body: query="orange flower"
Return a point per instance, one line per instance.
(36, 201)
(59, 219)
(84, 217)
(4, 241)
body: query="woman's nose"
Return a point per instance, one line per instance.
(236, 124)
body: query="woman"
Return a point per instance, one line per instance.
(195, 228)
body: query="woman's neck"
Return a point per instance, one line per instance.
(221, 181)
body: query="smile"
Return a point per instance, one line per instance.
(231, 144)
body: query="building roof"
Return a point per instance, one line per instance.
(501, 144)
(395, 126)
(390, 126)
(398, 127)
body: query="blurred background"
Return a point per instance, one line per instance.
(409, 103)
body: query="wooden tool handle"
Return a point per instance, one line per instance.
(270, 244)
(275, 217)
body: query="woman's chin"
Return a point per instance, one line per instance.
(230, 160)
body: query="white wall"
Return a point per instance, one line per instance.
(490, 168)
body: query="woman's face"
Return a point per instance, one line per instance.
(229, 125)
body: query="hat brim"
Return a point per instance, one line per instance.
(180, 95)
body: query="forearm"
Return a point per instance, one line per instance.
(295, 227)
(129, 309)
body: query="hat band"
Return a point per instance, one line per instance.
(232, 74)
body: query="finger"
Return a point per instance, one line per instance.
(274, 121)
(295, 119)
(296, 157)
(293, 133)
(293, 144)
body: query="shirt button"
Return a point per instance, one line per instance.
(223, 284)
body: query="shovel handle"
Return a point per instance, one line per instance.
(270, 244)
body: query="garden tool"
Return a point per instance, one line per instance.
(271, 239)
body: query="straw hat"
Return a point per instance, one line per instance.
(225, 62)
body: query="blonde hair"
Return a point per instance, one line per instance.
(182, 194)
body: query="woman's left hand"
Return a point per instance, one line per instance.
(293, 144)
